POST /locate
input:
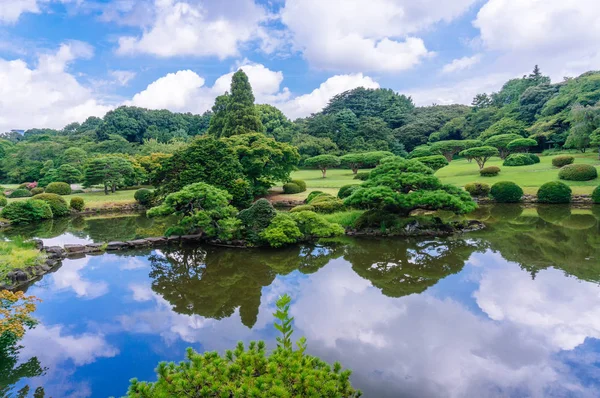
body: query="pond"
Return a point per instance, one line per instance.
(512, 310)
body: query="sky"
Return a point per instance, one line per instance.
(64, 60)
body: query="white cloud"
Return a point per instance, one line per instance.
(363, 35)
(461, 64)
(208, 28)
(11, 10)
(122, 77)
(47, 95)
(70, 278)
(176, 91)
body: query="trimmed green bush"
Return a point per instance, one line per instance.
(362, 175)
(144, 196)
(477, 189)
(312, 224)
(290, 188)
(327, 204)
(37, 191)
(506, 192)
(20, 193)
(302, 208)
(59, 188)
(3, 201)
(282, 231)
(435, 162)
(562, 160)
(300, 183)
(554, 192)
(518, 159)
(256, 218)
(57, 204)
(596, 195)
(491, 171)
(347, 190)
(535, 158)
(27, 211)
(578, 172)
(77, 203)
(313, 195)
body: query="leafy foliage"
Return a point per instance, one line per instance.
(521, 144)
(241, 116)
(578, 172)
(596, 195)
(477, 189)
(363, 175)
(491, 171)
(501, 143)
(256, 218)
(322, 162)
(110, 171)
(326, 203)
(59, 188)
(291, 188)
(450, 148)
(554, 192)
(434, 162)
(518, 159)
(480, 154)
(282, 231)
(313, 195)
(347, 190)
(563, 160)
(356, 161)
(506, 192)
(20, 193)
(27, 211)
(77, 203)
(56, 202)
(312, 224)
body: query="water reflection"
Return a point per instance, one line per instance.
(513, 310)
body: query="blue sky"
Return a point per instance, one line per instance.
(64, 60)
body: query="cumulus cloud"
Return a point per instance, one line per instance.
(11, 10)
(185, 91)
(461, 64)
(46, 95)
(70, 278)
(364, 35)
(199, 28)
(122, 77)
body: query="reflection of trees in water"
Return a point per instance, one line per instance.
(213, 282)
(11, 371)
(401, 267)
(43, 229)
(548, 236)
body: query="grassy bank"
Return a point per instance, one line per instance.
(460, 172)
(98, 200)
(18, 254)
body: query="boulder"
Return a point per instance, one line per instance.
(190, 238)
(155, 241)
(116, 245)
(75, 248)
(94, 247)
(138, 242)
(54, 250)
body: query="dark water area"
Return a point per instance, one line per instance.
(509, 311)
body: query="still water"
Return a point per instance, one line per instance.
(510, 311)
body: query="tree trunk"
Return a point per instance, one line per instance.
(113, 188)
(105, 189)
(324, 171)
(354, 170)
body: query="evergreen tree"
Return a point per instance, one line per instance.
(219, 110)
(241, 115)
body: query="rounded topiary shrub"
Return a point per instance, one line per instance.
(535, 158)
(59, 188)
(477, 189)
(77, 203)
(491, 171)
(144, 196)
(518, 159)
(20, 193)
(300, 183)
(578, 172)
(506, 192)
(596, 195)
(362, 175)
(27, 211)
(37, 191)
(327, 204)
(347, 190)
(291, 188)
(562, 160)
(313, 195)
(302, 208)
(57, 204)
(3, 201)
(554, 192)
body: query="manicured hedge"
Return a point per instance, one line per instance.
(57, 204)
(326, 203)
(578, 172)
(144, 196)
(20, 193)
(596, 195)
(300, 183)
(554, 192)
(59, 188)
(477, 189)
(27, 211)
(491, 171)
(313, 195)
(77, 203)
(562, 160)
(362, 175)
(347, 190)
(534, 157)
(3, 201)
(506, 192)
(291, 188)
(302, 208)
(518, 159)
(37, 191)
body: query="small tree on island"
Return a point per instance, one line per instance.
(401, 186)
(450, 148)
(322, 162)
(481, 154)
(356, 161)
(521, 145)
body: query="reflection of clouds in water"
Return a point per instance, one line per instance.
(66, 239)
(420, 345)
(56, 350)
(563, 310)
(133, 263)
(141, 292)
(69, 277)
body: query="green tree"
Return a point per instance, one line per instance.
(322, 162)
(356, 161)
(68, 173)
(452, 147)
(75, 157)
(585, 121)
(521, 145)
(505, 126)
(481, 154)
(500, 142)
(481, 101)
(241, 115)
(275, 123)
(309, 146)
(109, 171)
(219, 115)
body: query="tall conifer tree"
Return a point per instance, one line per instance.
(241, 115)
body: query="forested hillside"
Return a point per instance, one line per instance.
(560, 115)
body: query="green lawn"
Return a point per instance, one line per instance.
(96, 200)
(460, 172)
